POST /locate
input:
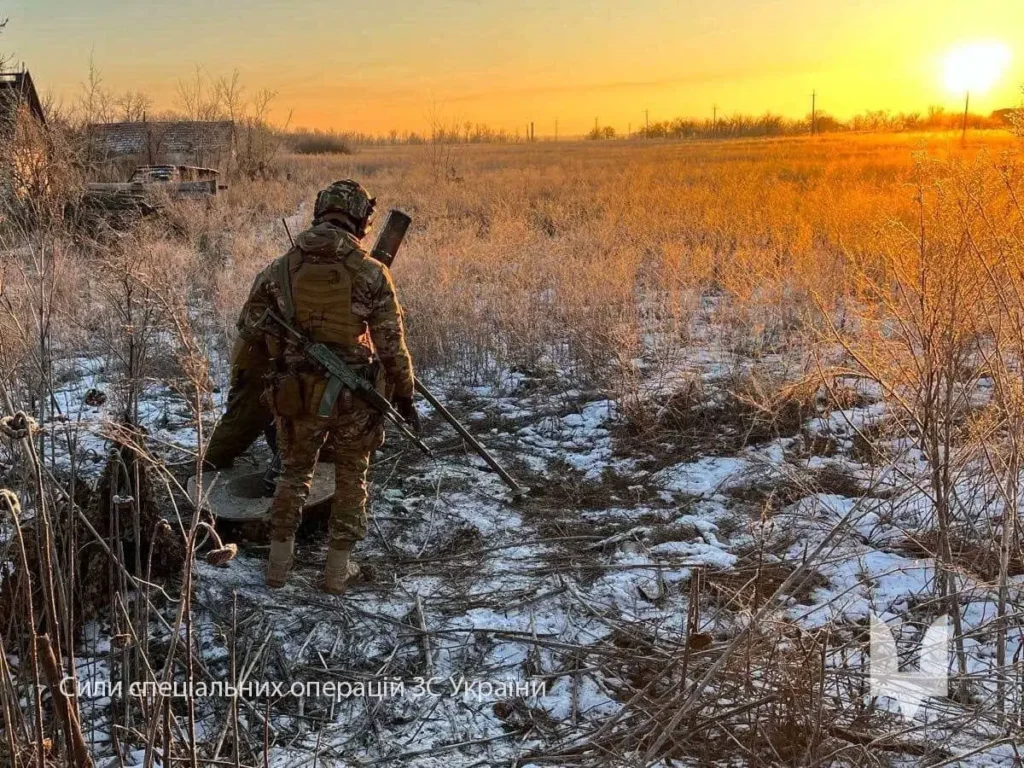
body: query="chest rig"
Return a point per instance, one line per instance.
(315, 295)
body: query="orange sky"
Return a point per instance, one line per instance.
(355, 66)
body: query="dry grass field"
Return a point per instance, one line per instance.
(570, 250)
(763, 390)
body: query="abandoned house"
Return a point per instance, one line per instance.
(118, 148)
(22, 134)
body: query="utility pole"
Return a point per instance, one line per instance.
(556, 129)
(533, 134)
(967, 106)
(647, 124)
(814, 112)
(714, 119)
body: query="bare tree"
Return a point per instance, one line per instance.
(444, 134)
(230, 95)
(257, 141)
(95, 102)
(197, 99)
(133, 105)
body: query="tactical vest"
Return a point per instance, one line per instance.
(317, 297)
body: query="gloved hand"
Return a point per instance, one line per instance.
(407, 409)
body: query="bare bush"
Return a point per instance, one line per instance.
(319, 143)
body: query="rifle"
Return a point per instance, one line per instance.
(341, 375)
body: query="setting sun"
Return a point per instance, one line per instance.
(976, 67)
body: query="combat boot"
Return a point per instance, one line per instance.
(280, 562)
(339, 569)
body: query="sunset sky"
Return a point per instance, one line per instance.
(376, 66)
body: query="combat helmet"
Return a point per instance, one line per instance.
(348, 199)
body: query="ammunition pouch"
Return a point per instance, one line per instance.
(275, 347)
(300, 393)
(344, 404)
(314, 387)
(374, 373)
(285, 395)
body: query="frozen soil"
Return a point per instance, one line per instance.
(485, 631)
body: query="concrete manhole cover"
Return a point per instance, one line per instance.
(239, 493)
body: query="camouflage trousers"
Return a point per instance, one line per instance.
(351, 436)
(245, 414)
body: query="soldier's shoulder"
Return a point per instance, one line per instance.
(368, 267)
(269, 272)
(262, 276)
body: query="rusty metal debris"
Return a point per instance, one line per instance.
(153, 181)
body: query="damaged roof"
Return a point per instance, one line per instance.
(190, 142)
(17, 88)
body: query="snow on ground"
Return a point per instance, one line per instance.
(468, 599)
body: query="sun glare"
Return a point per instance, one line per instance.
(975, 67)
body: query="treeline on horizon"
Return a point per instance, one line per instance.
(202, 97)
(306, 141)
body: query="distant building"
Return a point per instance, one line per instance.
(18, 95)
(123, 146)
(23, 143)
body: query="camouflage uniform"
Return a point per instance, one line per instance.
(246, 414)
(345, 299)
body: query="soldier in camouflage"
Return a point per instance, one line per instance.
(334, 293)
(246, 414)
